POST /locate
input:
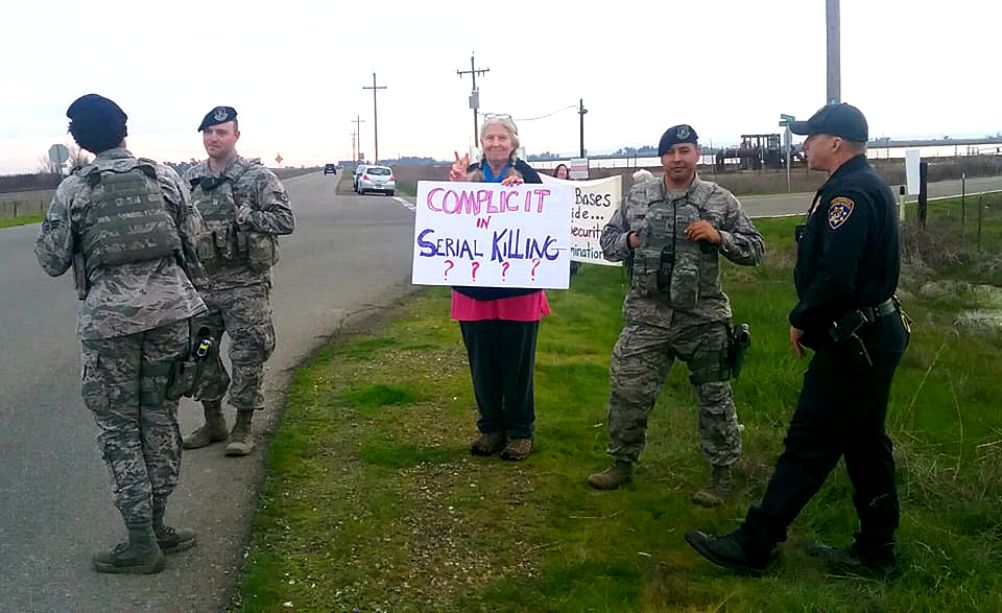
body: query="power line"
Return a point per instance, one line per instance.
(474, 93)
(375, 115)
(573, 106)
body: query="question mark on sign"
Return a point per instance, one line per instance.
(504, 270)
(476, 265)
(451, 265)
(534, 267)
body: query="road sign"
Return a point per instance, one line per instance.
(784, 123)
(58, 154)
(787, 117)
(278, 158)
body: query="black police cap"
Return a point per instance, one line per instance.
(220, 114)
(682, 133)
(841, 119)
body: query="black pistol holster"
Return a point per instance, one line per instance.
(738, 346)
(187, 369)
(845, 330)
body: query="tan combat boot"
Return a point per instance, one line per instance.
(611, 478)
(241, 439)
(717, 490)
(214, 429)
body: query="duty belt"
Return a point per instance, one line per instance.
(847, 325)
(885, 308)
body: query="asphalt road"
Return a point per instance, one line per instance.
(349, 255)
(792, 204)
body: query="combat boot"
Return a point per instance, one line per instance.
(140, 555)
(170, 539)
(214, 429)
(728, 551)
(616, 475)
(856, 561)
(717, 490)
(241, 440)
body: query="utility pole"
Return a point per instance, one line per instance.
(474, 93)
(581, 111)
(358, 121)
(375, 116)
(354, 155)
(834, 67)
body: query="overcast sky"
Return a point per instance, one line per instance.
(294, 71)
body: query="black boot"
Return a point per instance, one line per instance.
(728, 551)
(856, 560)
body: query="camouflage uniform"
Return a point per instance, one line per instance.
(133, 323)
(689, 320)
(245, 207)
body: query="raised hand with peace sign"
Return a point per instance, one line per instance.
(458, 170)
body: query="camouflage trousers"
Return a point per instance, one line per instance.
(641, 361)
(244, 313)
(124, 384)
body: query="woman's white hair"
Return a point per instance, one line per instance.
(508, 124)
(642, 175)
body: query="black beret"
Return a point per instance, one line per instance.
(220, 114)
(842, 120)
(92, 107)
(96, 123)
(682, 133)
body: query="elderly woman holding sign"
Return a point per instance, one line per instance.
(499, 325)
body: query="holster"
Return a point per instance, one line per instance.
(740, 341)
(844, 332)
(182, 378)
(80, 282)
(186, 371)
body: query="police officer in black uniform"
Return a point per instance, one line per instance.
(848, 261)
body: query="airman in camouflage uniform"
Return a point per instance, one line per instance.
(673, 231)
(245, 207)
(126, 227)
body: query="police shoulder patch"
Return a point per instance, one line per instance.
(839, 211)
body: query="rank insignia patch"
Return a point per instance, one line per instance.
(839, 211)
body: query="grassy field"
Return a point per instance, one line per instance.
(374, 504)
(20, 220)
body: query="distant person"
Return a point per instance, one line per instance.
(500, 325)
(642, 176)
(126, 226)
(246, 208)
(672, 233)
(848, 261)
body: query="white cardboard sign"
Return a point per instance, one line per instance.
(594, 203)
(491, 235)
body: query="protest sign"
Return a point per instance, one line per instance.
(491, 235)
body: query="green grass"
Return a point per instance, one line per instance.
(21, 220)
(407, 188)
(374, 503)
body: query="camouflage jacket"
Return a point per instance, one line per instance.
(262, 206)
(127, 298)
(741, 244)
